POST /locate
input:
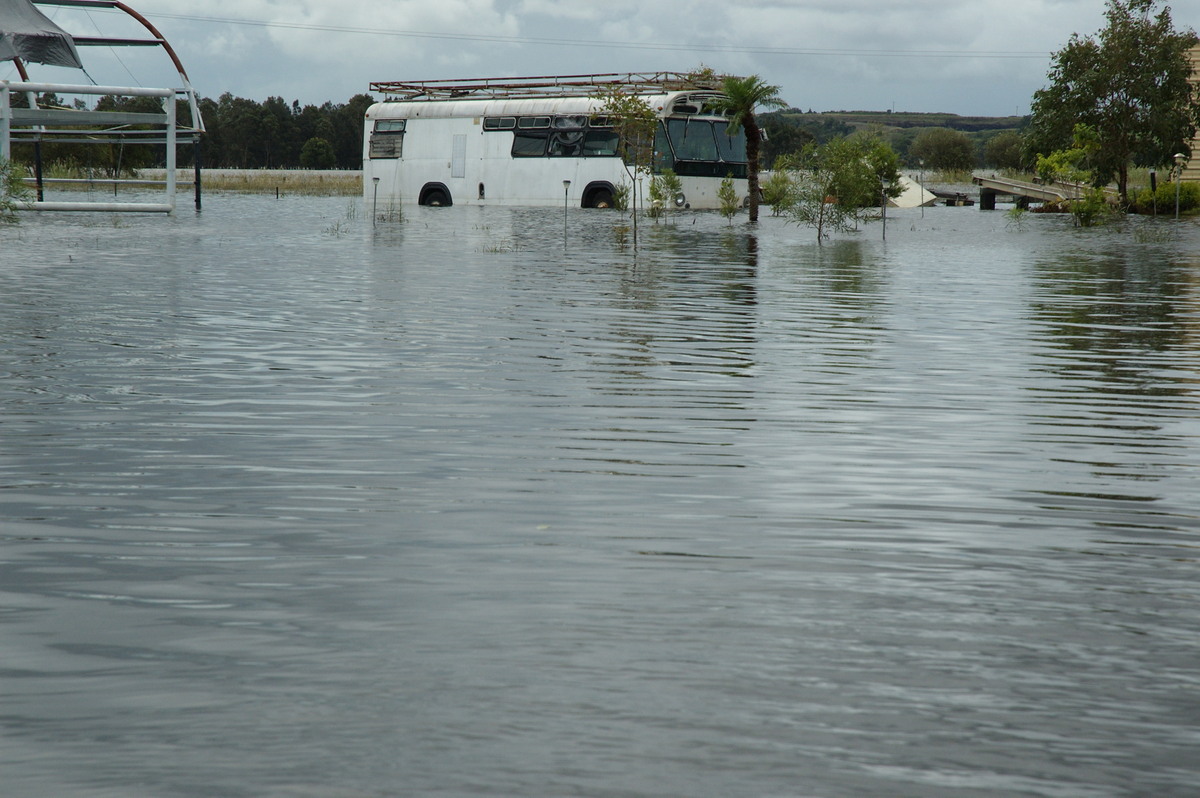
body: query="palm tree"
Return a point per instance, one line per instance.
(742, 96)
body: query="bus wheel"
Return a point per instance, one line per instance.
(437, 198)
(602, 199)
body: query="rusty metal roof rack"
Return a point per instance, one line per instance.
(544, 86)
(197, 122)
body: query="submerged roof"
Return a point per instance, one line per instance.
(28, 34)
(545, 86)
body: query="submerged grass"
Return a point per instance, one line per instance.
(306, 182)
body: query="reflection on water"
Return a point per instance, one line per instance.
(1119, 329)
(294, 505)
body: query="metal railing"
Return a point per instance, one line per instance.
(31, 124)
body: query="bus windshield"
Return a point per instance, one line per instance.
(692, 141)
(730, 148)
(701, 147)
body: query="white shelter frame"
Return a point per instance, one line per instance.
(37, 123)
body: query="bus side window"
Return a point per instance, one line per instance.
(499, 122)
(566, 144)
(387, 138)
(528, 145)
(600, 143)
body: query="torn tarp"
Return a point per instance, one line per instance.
(28, 34)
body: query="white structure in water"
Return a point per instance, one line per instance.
(539, 141)
(33, 113)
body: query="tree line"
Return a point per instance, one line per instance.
(245, 134)
(239, 133)
(937, 147)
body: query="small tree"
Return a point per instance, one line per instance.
(838, 180)
(1130, 83)
(664, 188)
(884, 163)
(779, 190)
(635, 123)
(729, 198)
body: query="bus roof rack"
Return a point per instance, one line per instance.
(546, 86)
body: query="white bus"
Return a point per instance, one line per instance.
(518, 141)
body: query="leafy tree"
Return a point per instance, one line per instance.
(883, 163)
(779, 190)
(817, 203)
(943, 149)
(837, 180)
(317, 153)
(1076, 165)
(280, 146)
(1005, 150)
(1130, 83)
(742, 96)
(1072, 165)
(664, 188)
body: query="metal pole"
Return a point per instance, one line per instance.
(5, 124)
(375, 202)
(1179, 159)
(37, 170)
(566, 201)
(172, 150)
(883, 204)
(196, 191)
(922, 194)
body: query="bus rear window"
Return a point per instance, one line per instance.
(387, 138)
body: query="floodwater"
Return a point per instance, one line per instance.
(293, 505)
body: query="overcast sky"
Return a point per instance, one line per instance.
(972, 57)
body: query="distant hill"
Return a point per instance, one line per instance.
(856, 120)
(788, 130)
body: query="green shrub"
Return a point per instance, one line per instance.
(779, 190)
(621, 197)
(729, 198)
(1092, 208)
(12, 191)
(664, 188)
(1143, 201)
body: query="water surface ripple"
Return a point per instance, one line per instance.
(292, 505)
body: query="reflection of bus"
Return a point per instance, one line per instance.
(539, 141)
